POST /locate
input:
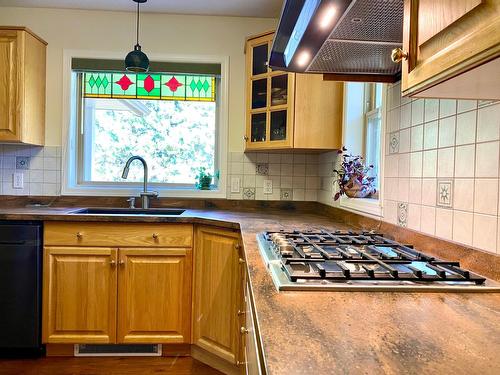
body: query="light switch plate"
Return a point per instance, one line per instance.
(235, 184)
(18, 180)
(268, 186)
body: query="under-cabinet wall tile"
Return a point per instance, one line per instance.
(486, 196)
(484, 235)
(466, 128)
(417, 112)
(431, 110)
(447, 131)
(466, 105)
(404, 141)
(446, 159)
(429, 186)
(463, 194)
(428, 220)
(415, 191)
(403, 189)
(444, 223)
(465, 157)
(430, 135)
(416, 164)
(429, 163)
(488, 123)
(414, 216)
(405, 116)
(447, 107)
(417, 138)
(404, 165)
(390, 211)
(487, 159)
(462, 227)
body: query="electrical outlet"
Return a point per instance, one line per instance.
(18, 180)
(268, 186)
(235, 184)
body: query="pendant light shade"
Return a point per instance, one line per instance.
(136, 60)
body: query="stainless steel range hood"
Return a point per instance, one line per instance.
(350, 39)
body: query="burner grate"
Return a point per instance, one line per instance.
(343, 256)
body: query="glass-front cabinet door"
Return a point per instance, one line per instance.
(269, 99)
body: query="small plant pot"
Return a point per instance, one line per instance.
(204, 183)
(357, 190)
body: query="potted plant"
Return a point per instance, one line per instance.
(353, 177)
(204, 179)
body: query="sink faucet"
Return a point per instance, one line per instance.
(145, 194)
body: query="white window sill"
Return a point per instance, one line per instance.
(134, 191)
(368, 206)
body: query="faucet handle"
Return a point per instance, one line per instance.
(131, 202)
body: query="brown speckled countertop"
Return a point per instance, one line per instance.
(345, 332)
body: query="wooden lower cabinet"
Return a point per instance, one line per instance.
(218, 292)
(79, 291)
(154, 295)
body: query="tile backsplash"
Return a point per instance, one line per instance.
(40, 168)
(293, 176)
(441, 169)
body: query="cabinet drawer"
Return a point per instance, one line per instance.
(113, 234)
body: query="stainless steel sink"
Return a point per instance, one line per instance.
(129, 211)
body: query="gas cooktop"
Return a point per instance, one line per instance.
(323, 260)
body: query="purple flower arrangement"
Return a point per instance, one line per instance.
(353, 177)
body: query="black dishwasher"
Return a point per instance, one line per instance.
(20, 287)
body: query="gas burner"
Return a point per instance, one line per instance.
(321, 259)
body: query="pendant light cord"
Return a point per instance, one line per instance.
(137, 23)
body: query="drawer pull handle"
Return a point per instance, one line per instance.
(243, 330)
(79, 235)
(240, 363)
(112, 263)
(240, 312)
(398, 55)
(155, 236)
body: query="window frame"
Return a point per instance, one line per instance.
(71, 125)
(372, 207)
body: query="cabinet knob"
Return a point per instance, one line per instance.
(398, 55)
(237, 246)
(79, 235)
(242, 261)
(243, 330)
(245, 138)
(240, 363)
(155, 236)
(112, 263)
(121, 262)
(241, 312)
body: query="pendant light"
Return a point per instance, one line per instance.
(136, 60)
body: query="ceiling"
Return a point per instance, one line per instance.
(242, 8)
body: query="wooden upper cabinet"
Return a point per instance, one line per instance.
(218, 292)
(22, 86)
(453, 49)
(154, 295)
(79, 295)
(288, 110)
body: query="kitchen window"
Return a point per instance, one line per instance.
(363, 133)
(170, 116)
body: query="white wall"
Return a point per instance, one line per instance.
(160, 34)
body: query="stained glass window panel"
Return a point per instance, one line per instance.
(173, 87)
(98, 85)
(160, 86)
(124, 85)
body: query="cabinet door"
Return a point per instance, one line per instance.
(252, 353)
(217, 292)
(79, 295)
(444, 38)
(270, 99)
(10, 73)
(154, 295)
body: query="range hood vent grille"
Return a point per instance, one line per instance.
(352, 57)
(373, 20)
